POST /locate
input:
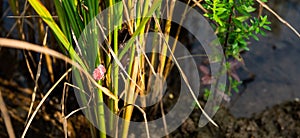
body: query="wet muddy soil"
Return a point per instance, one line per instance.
(281, 120)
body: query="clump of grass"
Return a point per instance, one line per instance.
(74, 16)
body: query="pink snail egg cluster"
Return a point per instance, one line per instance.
(99, 72)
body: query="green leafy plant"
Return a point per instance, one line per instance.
(235, 24)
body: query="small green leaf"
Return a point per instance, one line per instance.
(262, 33)
(217, 19)
(242, 10)
(205, 15)
(246, 48)
(242, 18)
(220, 11)
(235, 45)
(257, 30)
(267, 27)
(254, 37)
(250, 9)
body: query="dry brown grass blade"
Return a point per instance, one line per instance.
(184, 76)
(28, 65)
(188, 85)
(19, 22)
(130, 96)
(65, 117)
(49, 66)
(37, 76)
(126, 12)
(6, 118)
(144, 115)
(198, 3)
(47, 57)
(164, 119)
(278, 17)
(42, 102)
(65, 123)
(10, 43)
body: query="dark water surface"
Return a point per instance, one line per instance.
(275, 61)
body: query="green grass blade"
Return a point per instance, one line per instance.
(153, 8)
(64, 23)
(47, 18)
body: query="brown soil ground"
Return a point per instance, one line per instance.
(282, 120)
